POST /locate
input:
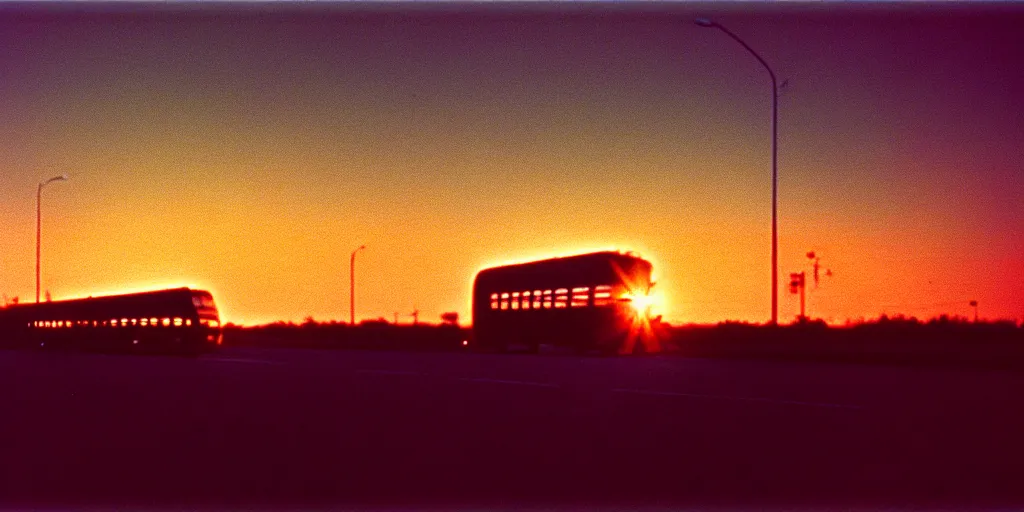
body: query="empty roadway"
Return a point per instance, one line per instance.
(301, 428)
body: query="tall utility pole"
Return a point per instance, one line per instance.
(775, 102)
(39, 224)
(352, 286)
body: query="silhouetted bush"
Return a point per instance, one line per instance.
(369, 335)
(895, 340)
(898, 339)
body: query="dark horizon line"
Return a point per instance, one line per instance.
(881, 319)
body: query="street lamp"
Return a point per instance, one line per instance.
(39, 222)
(352, 286)
(704, 22)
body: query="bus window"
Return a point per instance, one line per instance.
(203, 301)
(494, 301)
(504, 301)
(515, 300)
(526, 300)
(547, 299)
(603, 295)
(561, 297)
(536, 299)
(580, 297)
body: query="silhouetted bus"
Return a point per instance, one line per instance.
(590, 301)
(180, 320)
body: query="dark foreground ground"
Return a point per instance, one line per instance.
(345, 428)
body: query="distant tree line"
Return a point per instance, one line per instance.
(378, 334)
(942, 340)
(905, 340)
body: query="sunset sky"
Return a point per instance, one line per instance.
(248, 149)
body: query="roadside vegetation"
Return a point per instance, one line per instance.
(954, 341)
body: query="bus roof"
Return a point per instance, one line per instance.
(174, 301)
(604, 267)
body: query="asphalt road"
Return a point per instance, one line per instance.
(294, 428)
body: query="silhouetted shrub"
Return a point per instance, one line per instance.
(369, 334)
(904, 340)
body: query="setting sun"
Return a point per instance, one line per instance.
(641, 303)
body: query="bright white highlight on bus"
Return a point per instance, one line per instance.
(640, 303)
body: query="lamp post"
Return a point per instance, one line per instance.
(703, 22)
(352, 286)
(39, 223)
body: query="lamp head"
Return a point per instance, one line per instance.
(62, 177)
(704, 22)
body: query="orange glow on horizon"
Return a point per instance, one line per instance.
(485, 155)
